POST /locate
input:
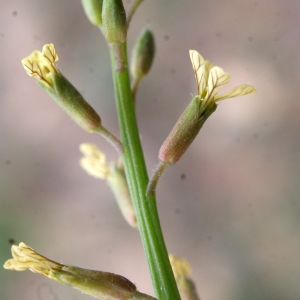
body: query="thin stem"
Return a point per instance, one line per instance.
(132, 10)
(145, 207)
(134, 86)
(159, 170)
(113, 140)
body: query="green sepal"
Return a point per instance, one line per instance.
(72, 102)
(93, 10)
(185, 131)
(102, 285)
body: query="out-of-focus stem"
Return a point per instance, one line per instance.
(132, 10)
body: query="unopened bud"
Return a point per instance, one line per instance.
(93, 10)
(142, 54)
(184, 131)
(114, 24)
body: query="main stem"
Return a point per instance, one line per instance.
(145, 206)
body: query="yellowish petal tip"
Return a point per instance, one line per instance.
(94, 161)
(180, 266)
(25, 258)
(41, 65)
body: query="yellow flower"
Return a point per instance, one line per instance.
(25, 258)
(210, 79)
(95, 164)
(102, 285)
(94, 161)
(42, 64)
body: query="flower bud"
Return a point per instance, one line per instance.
(114, 24)
(102, 285)
(142, 54)
(184, 131)
(93, 10)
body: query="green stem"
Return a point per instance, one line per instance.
(132, 10)
(159, 170)
(145, 206)
(113, 140)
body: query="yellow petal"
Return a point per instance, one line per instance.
(198, 64)
(208, 66)
(217, 78)
(241, 90)
(94, 161)
(50, 52)
(31, 65)
(25, 258)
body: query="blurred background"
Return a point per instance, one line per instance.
(231, 205)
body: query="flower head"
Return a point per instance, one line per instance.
(41, 65)
(210, 79)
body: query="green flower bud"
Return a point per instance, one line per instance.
(102, 285)
(142, 54)
(114, 24)
(41, 65)
(184, 132)
(93, 10)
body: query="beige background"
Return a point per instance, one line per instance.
(231, 205)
